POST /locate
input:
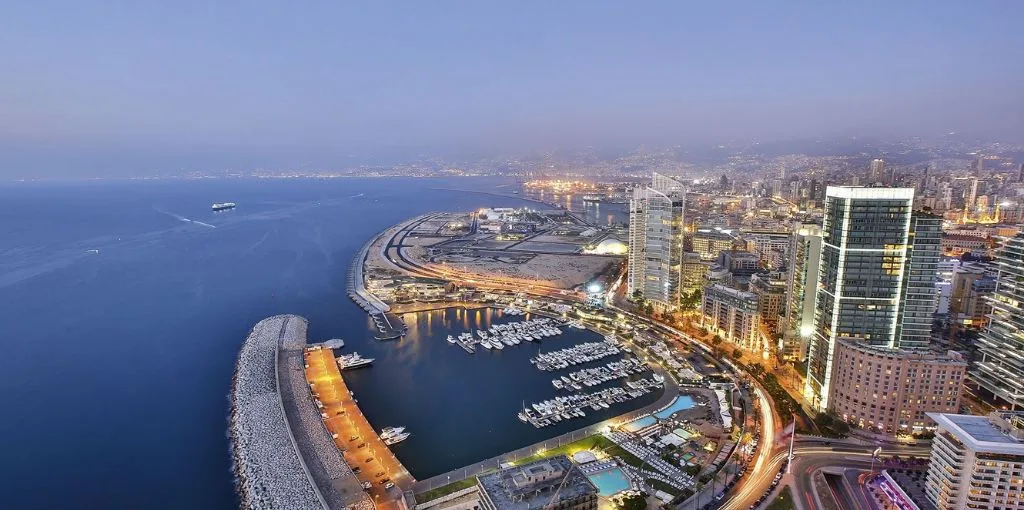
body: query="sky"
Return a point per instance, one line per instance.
(139, 84)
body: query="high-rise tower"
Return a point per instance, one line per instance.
(656, 241)
(1001, 367)
(918, 303)
(865, 255)
(877, 171)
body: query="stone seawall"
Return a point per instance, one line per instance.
(269, 471)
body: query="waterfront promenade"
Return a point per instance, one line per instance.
(352, 433)
(324, 463)
(671, 391)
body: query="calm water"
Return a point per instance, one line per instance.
(460, 407)
(116, 364)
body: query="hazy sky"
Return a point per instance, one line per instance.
(127, 79)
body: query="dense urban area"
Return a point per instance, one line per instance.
(821, 332)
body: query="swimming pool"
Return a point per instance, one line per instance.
(610, 482)
(679, 404)
(636, 425)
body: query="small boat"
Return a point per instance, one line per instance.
(451, 339)
(391, 431)
(397, 438)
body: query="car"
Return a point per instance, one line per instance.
(719, 497)
(379, 474)
(353, 438)
(389, 485)
(356, 470)
(369, 459)
(361, 445)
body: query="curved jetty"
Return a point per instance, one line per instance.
(283, 455)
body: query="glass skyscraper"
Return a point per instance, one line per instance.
(1001, 346)
(656, 241)
(865, 256)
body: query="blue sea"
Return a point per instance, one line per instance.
(123, 305)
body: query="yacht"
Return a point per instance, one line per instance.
(391, 431)
(397, 438)
(486, 344)
(353, 360)
(451, 339)
(497, 345)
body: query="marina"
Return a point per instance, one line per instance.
(599, 375)
(578, 354)
(508, 334)
(408, 376)
(567, 407)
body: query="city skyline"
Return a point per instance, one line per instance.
(208, 87)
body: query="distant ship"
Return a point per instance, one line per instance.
(592, 198)
(223, 206)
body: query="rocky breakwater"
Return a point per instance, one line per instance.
(270, 473)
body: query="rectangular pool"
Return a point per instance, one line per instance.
(610, 482)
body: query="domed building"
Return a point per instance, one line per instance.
(609, 246)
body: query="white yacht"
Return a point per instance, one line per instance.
(391, 431)
(353, 360)
(397, 438)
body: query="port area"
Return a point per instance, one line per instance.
(353, 435)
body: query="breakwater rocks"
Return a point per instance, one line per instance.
(269, 472)
(283, 455)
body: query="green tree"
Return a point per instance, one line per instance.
(636, 502)
(737, 353)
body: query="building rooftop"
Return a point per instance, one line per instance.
(995, 433)
(540, 484)
(876, 193)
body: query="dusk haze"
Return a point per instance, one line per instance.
(454, 255)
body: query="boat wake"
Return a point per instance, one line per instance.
(182, 218)
(357, 195)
